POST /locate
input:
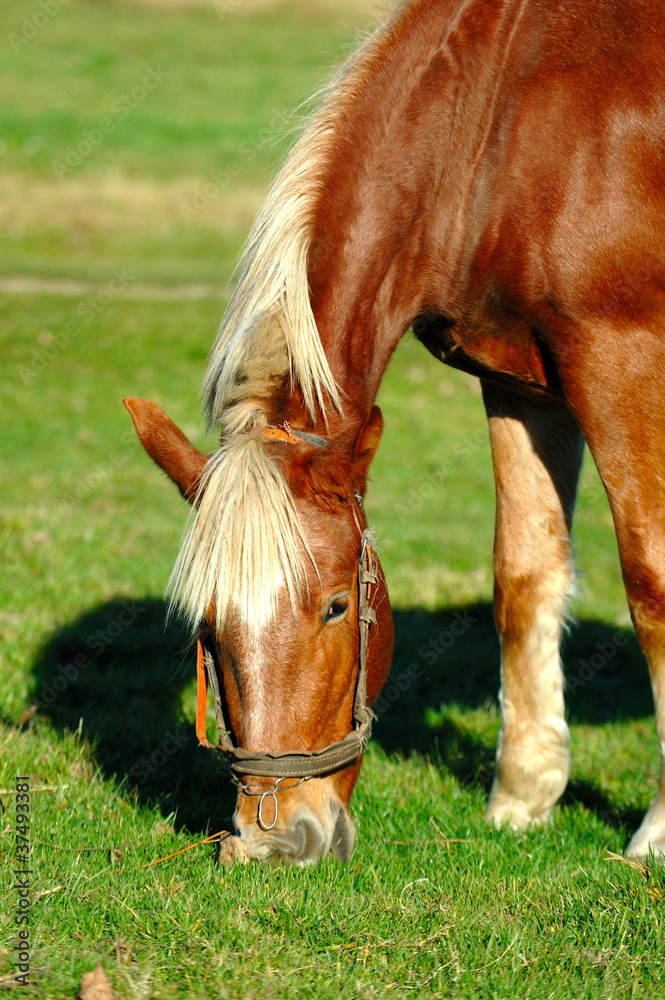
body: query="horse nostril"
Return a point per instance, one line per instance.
(303, 840)
(344, 836)
(310, 840)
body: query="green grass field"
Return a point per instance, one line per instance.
(147, 227)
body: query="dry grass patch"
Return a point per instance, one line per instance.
(438, 585)
(102, 206)
(242, 8)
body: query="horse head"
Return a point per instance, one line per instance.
(284, 655)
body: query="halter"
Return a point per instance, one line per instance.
(300, 765)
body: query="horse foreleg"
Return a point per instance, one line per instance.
(537, 454)
(622, 418)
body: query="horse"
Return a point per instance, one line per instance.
(491, 174)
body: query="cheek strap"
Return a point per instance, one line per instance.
(303, 763)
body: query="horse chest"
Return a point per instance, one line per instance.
(512, 355)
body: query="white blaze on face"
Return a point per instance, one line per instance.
(255, 664)
(253, 671)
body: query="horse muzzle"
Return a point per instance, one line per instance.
(295, 825)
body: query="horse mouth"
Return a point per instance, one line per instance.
(305, 841)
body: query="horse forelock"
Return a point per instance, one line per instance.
(245, 543)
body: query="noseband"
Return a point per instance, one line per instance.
(302, 764)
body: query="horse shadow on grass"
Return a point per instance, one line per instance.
(447, 664)
(120, 676)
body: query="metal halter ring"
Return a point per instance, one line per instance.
(263, 792)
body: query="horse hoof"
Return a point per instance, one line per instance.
(508, 811)
(651, 835)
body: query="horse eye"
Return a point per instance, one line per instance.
(336, 609)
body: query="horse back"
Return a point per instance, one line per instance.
(553, 214)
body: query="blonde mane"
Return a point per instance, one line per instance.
(245, 541)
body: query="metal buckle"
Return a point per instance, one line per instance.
(264, 792)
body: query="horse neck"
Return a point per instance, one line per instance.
(388, 234)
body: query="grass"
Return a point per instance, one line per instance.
(433, 903)
(219, 112)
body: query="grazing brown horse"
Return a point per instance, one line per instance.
(491, 173)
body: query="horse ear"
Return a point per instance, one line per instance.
(167, 446)
(367, 442)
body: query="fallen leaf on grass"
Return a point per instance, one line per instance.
(96, 986)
